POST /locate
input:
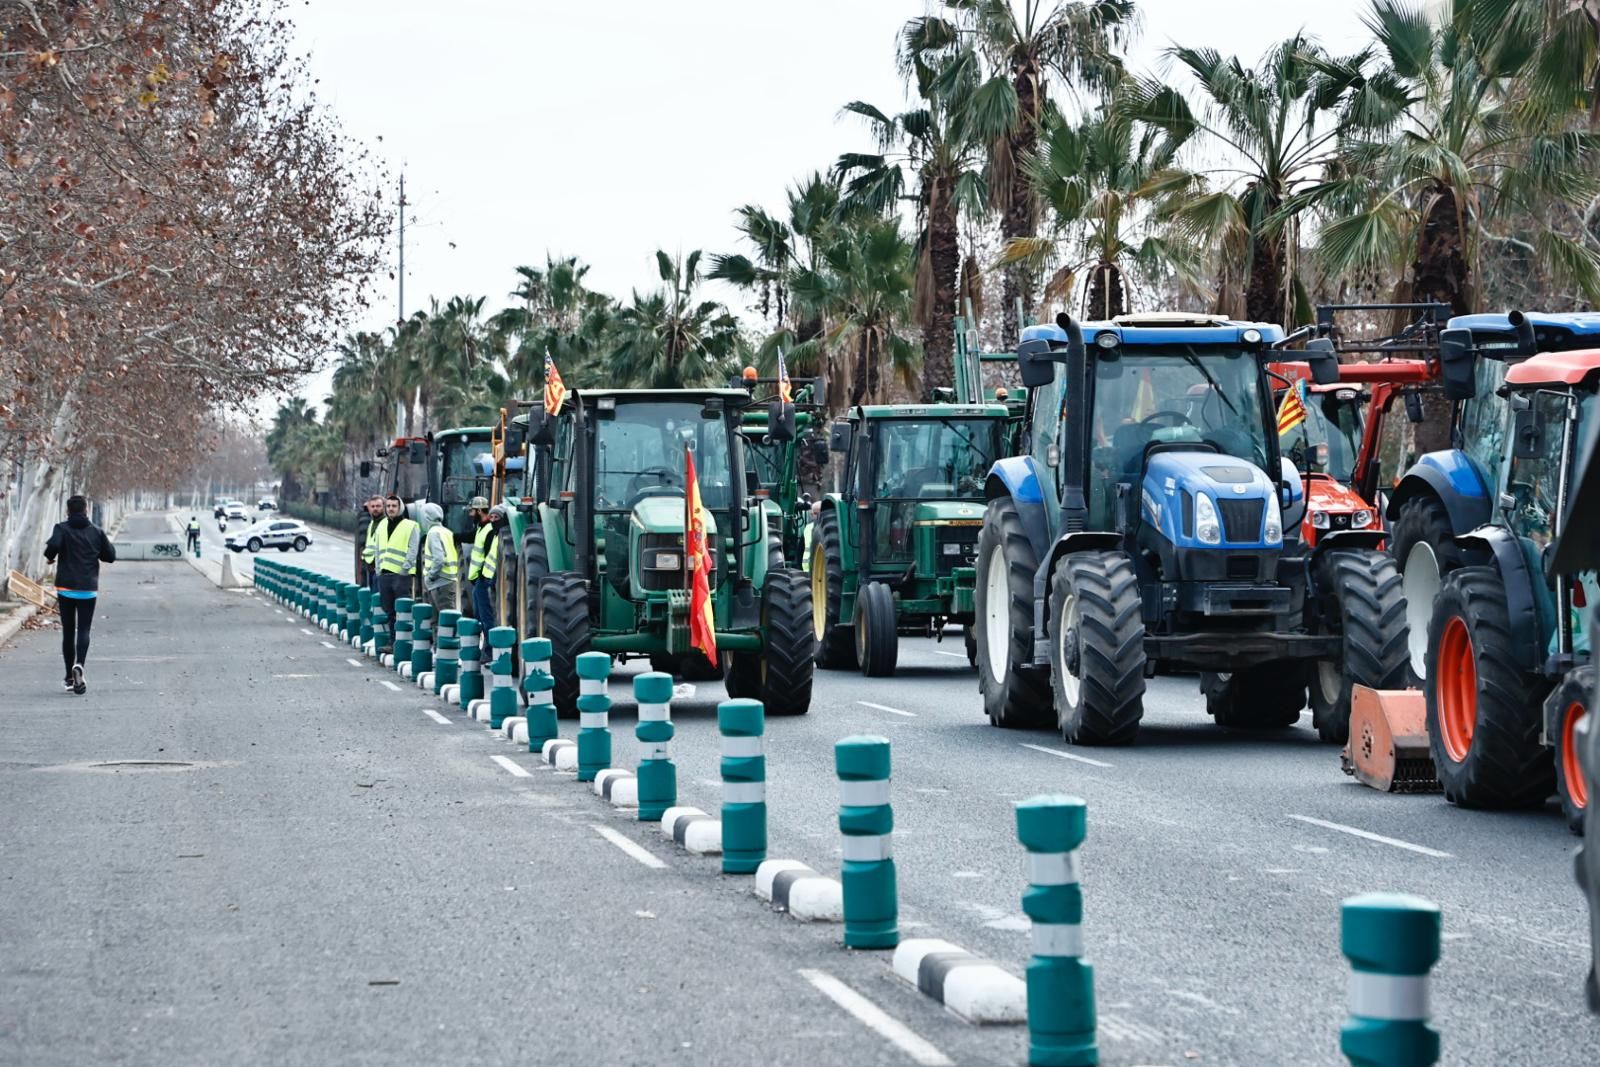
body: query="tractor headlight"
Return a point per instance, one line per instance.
(1320, 520)
(1274, 534)
(1360, 520)
(665, 561)
(1207, 530)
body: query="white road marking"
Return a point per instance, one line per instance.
(325, 644)
(631, 847)
(354, 662)
(289, 675)
(1368, 835)
(875, 1018)
(308, 633)
(885, 707)
(436, 717)
(1065, 755)
(388, 684)
(942, 652)
(516, 769)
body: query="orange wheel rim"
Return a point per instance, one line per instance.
(1571, 769)
(1456, 676)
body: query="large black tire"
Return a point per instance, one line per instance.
(1267, 697)
(1485, 715)
(1568, 709)
(1097, 648)
(564, 619)
(788, 662)
(969, 641)
(1015, 694)
(1361, 600)
(877, 643)
(1422, 542)
(534, 565)
(665, 662)
(743, 677)
(832, 637)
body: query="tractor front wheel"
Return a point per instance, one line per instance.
(1361, 595)
(1483, 710)
(787, 662)
(1424, 547)
(834, 642)
(1567, 710)
(564, 619)
(535, 565)
(1015, 694)
(877, 644)
(1097, 648)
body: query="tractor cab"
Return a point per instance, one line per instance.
(462, 467)
(1320, 434)
(789, 468)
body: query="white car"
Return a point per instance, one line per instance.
(236, 511)
(282, 534)
(266, 503)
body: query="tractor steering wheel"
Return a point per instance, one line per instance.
(663, 478)
(1176, 418)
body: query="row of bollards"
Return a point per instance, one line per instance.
(1391, 940)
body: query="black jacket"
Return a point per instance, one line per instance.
(82, 548)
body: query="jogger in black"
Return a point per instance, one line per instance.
(82, 547)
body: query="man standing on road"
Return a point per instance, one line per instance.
(194, 534)
(485, 562)
(81, 548)
(399, 539)
(367, 542)
(441, 563)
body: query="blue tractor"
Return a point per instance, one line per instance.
(1151, 523)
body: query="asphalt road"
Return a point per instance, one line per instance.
(328, 834)
(327, 554)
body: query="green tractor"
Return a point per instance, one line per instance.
(785, 468)
(599, 524)
(894, 553)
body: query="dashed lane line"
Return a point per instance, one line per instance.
(325, 644)
(630, 846)
(876, 1019)
(1368, 835)
(515, 769)
(436, 717)
(1065, 755)
(388, 684)
(308, 633)
(354, 662)
(885, 707)
(942, 652)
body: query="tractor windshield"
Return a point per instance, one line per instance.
(766, 459)
(1327, 440)
(640, 450)
(459, 479)
(939, 459)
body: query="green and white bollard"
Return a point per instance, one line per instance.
(871, 907)
(364, 600)
(471, 668)
(594, 715)
(658, 778)
(1061, 1012)
(503, 690)
(539, 685)
(352, 613)
(402, 630)
(421, 639)
(447, 659)
(380, 630)
(744, 785)
(1392, 942)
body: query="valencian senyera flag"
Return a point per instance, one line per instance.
(697, 557)
(555, 390)
(785, 394)
(1292, 411)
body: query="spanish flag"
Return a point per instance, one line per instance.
(697, 557)
(555, 390)
(1292, 411)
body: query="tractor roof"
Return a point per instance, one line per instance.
(625, 396)
(1556, 368)
(1577, 322)
(1164, 328)
(470, 431)
(930, 411)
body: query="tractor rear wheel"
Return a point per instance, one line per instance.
(835, 644)
(1015, 694)
(1097, 648)
(1423, 544)
(1360, 594)
(535, 565)
(787, 662)
(1571, 704)
(1266, 697)
(564, 619)
(1483, 711)
(877, 644)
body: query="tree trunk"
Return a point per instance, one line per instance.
(1020, 218)
(1107, 295)
(1440, 272)
(938, 334)
(1263, 294)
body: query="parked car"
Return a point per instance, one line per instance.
(236, 511)
(266, 503)
(282, 534)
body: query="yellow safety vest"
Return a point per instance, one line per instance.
(452, 559)
(392, 556)
(485, 553)
(194, 527)
(369, 547)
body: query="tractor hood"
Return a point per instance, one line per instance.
(956, 511)
(664, 514)
(1240, 499)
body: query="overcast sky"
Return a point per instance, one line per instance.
(610, 128)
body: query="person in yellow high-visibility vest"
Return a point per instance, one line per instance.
(399, 542)
(441, 563)
(485, 563)
(368, 543)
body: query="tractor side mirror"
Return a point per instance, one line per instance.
(752, 482)
(1455, 364)
(1324, 360)
(1414, 412)
(417, 452)
(366, 468)
(516, 439)
(819, 452)
(541, 427)
(1527, 434)
(839, 435)
(780, 421)
(1036, 356)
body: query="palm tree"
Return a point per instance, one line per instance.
(1267, 133)
(1011, 51)
(671, 340)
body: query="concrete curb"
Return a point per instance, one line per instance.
(508, 727)
(479, 710)
(791, 886)
(621, 788)
(974, 988)
(694, 830)
(451, 694)
(519, 732)
(13, 624)
(561, 754)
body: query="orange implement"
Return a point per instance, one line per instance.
(1388, 747)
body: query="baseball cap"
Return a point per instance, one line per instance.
(479, 502)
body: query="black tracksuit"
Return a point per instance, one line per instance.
(77, 547)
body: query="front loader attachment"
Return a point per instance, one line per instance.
(1388, 747)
